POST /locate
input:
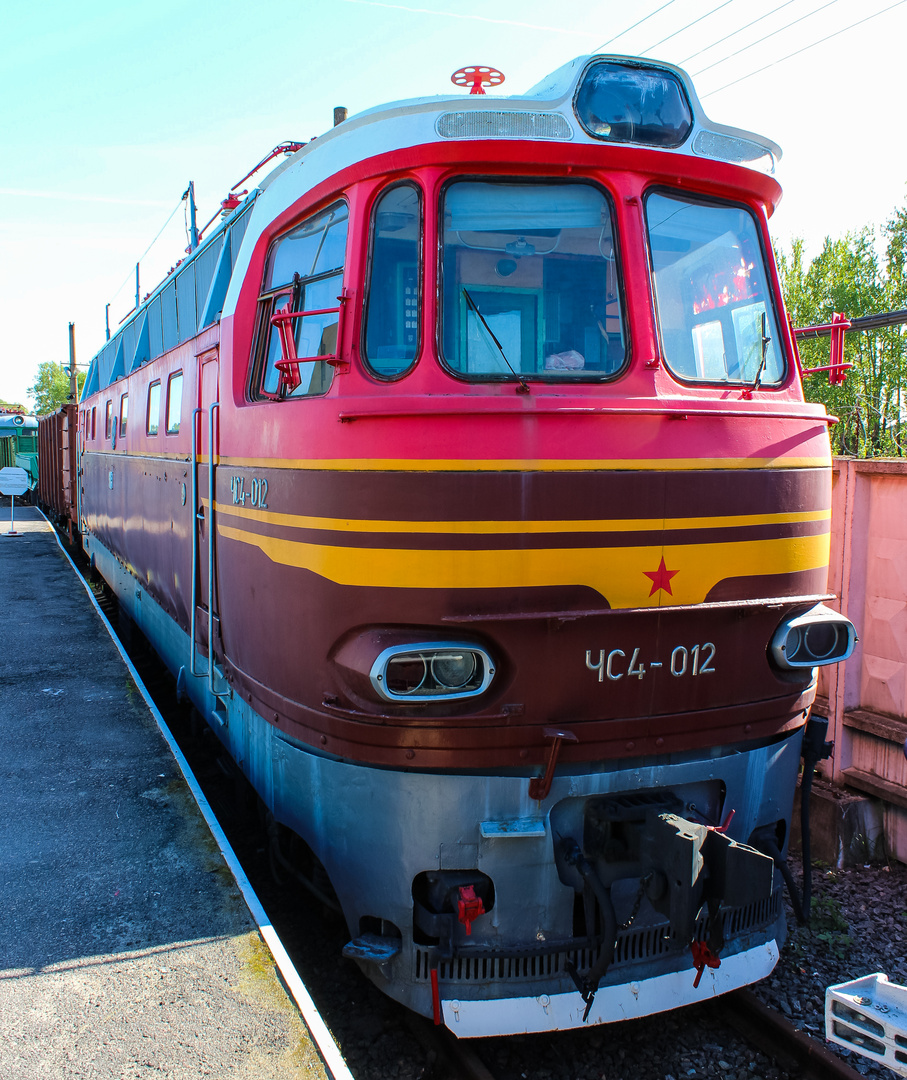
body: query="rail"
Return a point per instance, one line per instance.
(199, 516)
(193, 483)
(836, 329)
(289, 365)
(211, 557)
(793, 1050)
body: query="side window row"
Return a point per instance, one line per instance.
(530, 284)
(153, 412)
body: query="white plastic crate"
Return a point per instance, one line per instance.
(869, 1016)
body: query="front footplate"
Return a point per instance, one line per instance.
(676, 867)
(624, 1001)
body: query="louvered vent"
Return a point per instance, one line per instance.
(633, 945)
(488, 124)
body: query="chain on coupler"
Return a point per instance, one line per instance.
(584, 986)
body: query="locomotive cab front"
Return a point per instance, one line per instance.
(518, 538)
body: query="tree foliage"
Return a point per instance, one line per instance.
(51, 387)
(850, 276)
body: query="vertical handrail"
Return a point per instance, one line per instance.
(211, 589)
(195, 520)
(80, 419)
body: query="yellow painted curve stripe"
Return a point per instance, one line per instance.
(461, 528)
(525, 464)
(618, 574)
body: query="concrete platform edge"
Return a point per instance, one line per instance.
(321, 1036)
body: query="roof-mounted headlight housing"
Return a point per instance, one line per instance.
(432, 671)
(819, 636)
(627, 102)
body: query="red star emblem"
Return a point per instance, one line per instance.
(661, 578)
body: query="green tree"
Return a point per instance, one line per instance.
(849, 276)
(51, 387)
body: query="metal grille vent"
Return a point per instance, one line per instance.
(730, 148)
(739, 920)
(503, 967)
(488, 124)
(633, 945)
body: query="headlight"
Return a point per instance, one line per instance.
(454, 669)
(432, 671)
(819, 636)
(633, 102)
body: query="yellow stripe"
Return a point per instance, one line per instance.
(120, 455)
(465, 528)
(525, 464)
(618, 574)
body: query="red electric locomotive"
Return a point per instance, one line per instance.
(463, 475)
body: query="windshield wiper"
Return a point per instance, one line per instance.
(523, 387)
(766, 341)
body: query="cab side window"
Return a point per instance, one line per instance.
(392, 320)
(716, 312)
(304, 274)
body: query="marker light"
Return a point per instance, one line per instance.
(432, 671)
(820, 636)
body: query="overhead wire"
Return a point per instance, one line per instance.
(687, 27)
(740, 30)
(676, 33)
(150, 246)
(645, 18)
(733, 33)
(805, 48)
(774, 33)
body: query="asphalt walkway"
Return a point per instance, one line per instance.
(126, 949)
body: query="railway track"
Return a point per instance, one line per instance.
(795, 1051)
(380, 1040)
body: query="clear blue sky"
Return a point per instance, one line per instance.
(110, 109)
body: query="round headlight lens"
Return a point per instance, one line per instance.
(820, 639)
(453, 669)
(406, 673)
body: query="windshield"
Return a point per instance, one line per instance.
(530, 283)
(715, 312)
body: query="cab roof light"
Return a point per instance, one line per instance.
(630, 103)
